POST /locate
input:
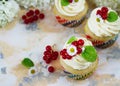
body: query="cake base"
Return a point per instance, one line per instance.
(79, 74)
(107, 44)
(70, 23)
(78, 77)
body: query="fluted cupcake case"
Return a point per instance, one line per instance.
(81, 74)
(102, 28)
(101, 44)
(107, 43)
(78, 58)
(70, 21)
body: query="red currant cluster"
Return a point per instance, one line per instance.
(103, 12)
(65, 55)
(49, 56)
(32, 16)
(78, 45)
(51, 69)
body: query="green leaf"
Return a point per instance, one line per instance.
(65, 2)
(72, 39)
(112, 16)
(89, 54)
(27, 63)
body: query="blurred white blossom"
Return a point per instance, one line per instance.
(41, 4)
(114, 4)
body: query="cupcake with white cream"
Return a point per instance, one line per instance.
(78, 58)
(103, 27)
(70, 13)
(8, 11)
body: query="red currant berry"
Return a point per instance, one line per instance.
(64, 57)
(55, 53)
(69, 57)
(47, 53)
(104, 9)
(41, 16)
(81, 42)
(26, 21)
(37, 12)
(35, 18)
(99, 12)
(70, 1)
(75, 43)
(24, 17)
(48, 48)
(79, 50)
(30, 19)
(31, 12)
(51, 69)
(45, 58)
(49, 56)
(48, 61)
(104, 16)
(54, 58)
(63, 52)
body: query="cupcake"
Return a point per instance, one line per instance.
(103, 27)
(70, 13)
(78, 58)
(8, 11)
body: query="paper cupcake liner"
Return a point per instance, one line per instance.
(107, 44)
(70, 23)
(102, 44)
(78, 77)
(79, 74)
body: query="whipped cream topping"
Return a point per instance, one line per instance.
(78, 62)
(103, 28)
(72, 9)
(8, 11)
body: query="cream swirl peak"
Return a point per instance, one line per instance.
(78, 53)
(104, 24)
(72, 9)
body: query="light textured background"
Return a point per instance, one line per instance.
(22, 41)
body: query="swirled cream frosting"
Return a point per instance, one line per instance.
(78, 61)
(72, 9)
(103, 27)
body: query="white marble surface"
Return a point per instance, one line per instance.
(19, 42)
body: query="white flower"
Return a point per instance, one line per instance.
(40, 4)
(114, 4)
(8, 11)
(72, 50)
(32, 71)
